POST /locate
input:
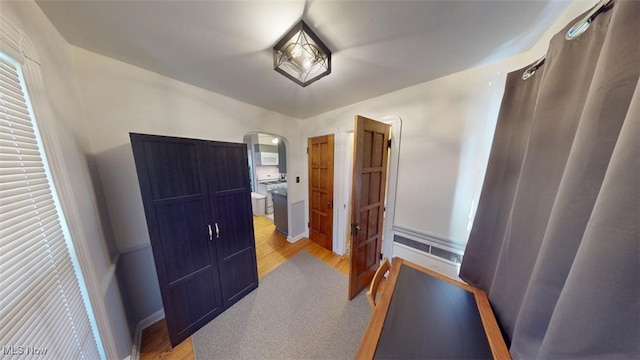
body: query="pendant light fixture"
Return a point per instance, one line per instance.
(301, 56)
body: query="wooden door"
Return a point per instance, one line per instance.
(371, 139)
(320, 157)
(174, 194)
(230, 201)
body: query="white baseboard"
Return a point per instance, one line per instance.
(296, 238)
(137, 340)
(441, 266)
(143, 324)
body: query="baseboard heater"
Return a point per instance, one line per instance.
(433, 253)
(429, 249)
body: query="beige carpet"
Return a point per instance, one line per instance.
(299, 311)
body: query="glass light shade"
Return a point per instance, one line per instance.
(301, 56)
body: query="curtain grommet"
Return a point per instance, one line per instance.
(529, 73)
(581, 26)
(533, 68)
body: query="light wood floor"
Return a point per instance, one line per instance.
(272, 250)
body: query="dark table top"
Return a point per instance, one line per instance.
(422, 314)
(429, 318)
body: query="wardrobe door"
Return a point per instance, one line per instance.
(174, 193)
(230, 200)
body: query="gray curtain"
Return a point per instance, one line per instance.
(556, 239)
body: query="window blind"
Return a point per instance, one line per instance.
(42, 311)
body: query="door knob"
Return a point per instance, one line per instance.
(217, 231)
(328, 204)
(210, 233)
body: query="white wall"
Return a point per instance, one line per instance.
(447, 130)
(119, 98)
(60, 83)
(447, 126)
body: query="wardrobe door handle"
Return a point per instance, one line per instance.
(217, 231)
(210, 233)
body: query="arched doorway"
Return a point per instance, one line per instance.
(267, 157)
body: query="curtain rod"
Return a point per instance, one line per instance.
(576, 30)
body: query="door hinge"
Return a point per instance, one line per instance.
(307, 149)
(389, 144)
(308, 224)
(380, 256)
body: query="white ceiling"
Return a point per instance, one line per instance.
(378, 46)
